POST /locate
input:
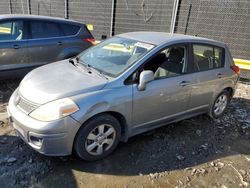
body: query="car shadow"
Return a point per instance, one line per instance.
(176, 146)
(7, 87)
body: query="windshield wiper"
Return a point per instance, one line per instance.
(76, 62)
(96, 70)
(72, 61)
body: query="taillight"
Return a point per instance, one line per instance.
(90, 40)
(236, 69)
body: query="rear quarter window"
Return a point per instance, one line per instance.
(206, 57)
(69, 29)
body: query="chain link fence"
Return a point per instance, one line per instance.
(47, 7)
(224, 20)
(143, 15)
(95, 12)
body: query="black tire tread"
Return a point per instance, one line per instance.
(87, 127)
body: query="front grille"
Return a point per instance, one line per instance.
(25, 105)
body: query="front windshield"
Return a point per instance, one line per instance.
(114, 55)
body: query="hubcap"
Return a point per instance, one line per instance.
(100, 139)
(220, 104)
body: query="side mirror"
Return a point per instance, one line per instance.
(145, 77)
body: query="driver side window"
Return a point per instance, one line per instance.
(168, 62)
(11, 30)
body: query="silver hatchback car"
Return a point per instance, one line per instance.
(126, 85)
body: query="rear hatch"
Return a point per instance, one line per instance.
(87, 36)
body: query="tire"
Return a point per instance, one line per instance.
(103, 131)
(219, 105)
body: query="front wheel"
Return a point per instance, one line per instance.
(220, 104)
(98, 137)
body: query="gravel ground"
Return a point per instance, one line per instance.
(198, 152)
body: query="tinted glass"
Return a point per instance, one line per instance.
(69, 29)
(40, 29)
(11, 31)
(207, 57)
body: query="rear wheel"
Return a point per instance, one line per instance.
(98, 137)
(220, 104)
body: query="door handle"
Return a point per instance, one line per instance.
(219, 75)
(59, 43)
(16, 46)
(184, 83)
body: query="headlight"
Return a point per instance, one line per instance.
(55, 110)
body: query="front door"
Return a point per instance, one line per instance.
(13, 46)
(168, 94)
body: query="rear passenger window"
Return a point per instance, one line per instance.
(219, 57)
(69, 29)
(42, 29)
(207, 57)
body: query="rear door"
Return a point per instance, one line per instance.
(206, 73)
(13, 45)
(45, 43)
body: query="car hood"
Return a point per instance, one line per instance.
(58, 80)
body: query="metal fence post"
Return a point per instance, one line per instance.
(175, 9)
(10, 7)
(66, 9)
(28, 6)
(172, 18)
(112, 24)
(38, 8)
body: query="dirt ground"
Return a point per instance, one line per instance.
(198, 152)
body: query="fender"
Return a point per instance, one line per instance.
(118, 101)
(226, 84)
